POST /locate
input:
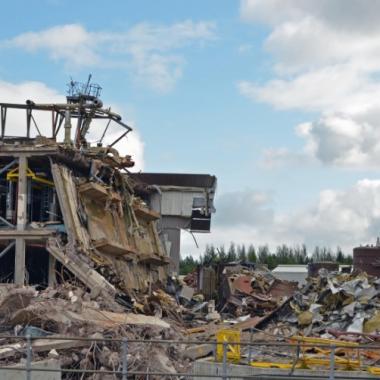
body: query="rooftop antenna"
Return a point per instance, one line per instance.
(79, 92)
(86, 96)
(88, 83)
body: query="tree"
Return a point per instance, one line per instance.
(263, 254)
(222, 255)
(242, 255)
(252, 254)
(231, 255)
(339, 256)
(187, 265)
(210, 256)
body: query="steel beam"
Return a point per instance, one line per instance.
(6, 167)
(7, 249)
(6, 222)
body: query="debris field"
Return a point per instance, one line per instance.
(82, 256)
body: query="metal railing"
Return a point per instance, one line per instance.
(124, 373)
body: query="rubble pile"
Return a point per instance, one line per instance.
(245, 299)
(331, 304)
(69, 311)
(255, 293)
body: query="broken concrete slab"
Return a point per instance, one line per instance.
(41, 345)
(199, 351)
(62, 315)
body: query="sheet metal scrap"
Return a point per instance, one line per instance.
(255, 292)
(348, 303)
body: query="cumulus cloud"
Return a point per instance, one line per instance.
(41, 93)
(345, 218)
(339, 14)
(339, 217)
(326, 61)
(150, 52)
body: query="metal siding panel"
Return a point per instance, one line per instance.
(177, 203)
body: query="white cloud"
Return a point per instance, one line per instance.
(327, 60)
(338, 14)
(71, 43)
(150, 52)
(346, 218)
(41, 93)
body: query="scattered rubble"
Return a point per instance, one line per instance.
(68, 310)
(332, 301)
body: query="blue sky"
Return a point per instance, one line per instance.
(276, 104)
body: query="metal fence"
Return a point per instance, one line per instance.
(125, 344)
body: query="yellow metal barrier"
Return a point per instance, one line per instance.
(374, 370)
(323, 341)
(223, 338)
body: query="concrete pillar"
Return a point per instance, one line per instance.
(174, 235)
(172, 225)
(21, 220)
(20, 262)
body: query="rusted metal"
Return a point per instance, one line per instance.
(367, 259)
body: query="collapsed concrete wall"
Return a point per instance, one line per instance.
(71, 205)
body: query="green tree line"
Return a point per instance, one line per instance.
(281, 255)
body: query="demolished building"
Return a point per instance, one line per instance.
(68, 208)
